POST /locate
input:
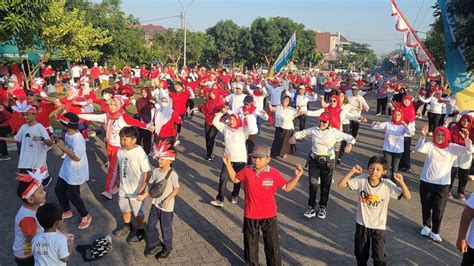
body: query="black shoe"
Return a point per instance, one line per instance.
(163, 254)
(210, 159)
(135, 238)
(125, 230)
(46, 182)
(338, 162)
(152, 252)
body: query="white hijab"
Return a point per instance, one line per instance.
(163, 113)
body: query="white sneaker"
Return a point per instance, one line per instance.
(425, 231)
(310, 213)
(378, 114)
(436, 237)
(217, 203)
(63, 156)
(177, 142)
(322, 213)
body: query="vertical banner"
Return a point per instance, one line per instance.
(285, 54)
(462, 85)
(411, 59)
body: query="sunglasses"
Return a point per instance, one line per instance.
(323, 122)
(333, 101)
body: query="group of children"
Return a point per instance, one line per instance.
(37, 225)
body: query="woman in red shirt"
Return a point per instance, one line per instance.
(180, 99)
(210, 108)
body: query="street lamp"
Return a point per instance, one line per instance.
(183, 25)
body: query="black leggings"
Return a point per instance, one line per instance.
(406, 157)
(382, 105)
(433, 203)
(4, 131)
(144, 139)
(393, 160)
(250, 144)
(354, 126)
(210, 132)
(462, 178)
(323, 171)
(178, 127)
(345, 129)
(70, 193)
(433, 121)
(302, 120)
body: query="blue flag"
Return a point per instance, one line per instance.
(411, 58)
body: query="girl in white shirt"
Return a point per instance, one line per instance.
(284, 128)
(235, 135)
(393, 143)
(301, 100)
(435, 176)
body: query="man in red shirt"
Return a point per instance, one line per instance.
(144, 73)
(260, 211)
(95, 75)
(154, 73)
(126, 74)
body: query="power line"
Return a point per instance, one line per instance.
(418, 14)
(375, 40)
(426, 13)
(158, 19)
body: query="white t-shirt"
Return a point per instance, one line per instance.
(132, 164)
(394, 136)
(234, 140)
(24, 219)
(372, 205)
(75, 173)
(438, 162)
(284, 117)
(470, 231)
(172, 183)
(235, 101)
(76, 71)
(33, 153)
(49, 248)
(323, 141)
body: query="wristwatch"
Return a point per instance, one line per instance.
(42, 139)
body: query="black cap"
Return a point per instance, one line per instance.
(248, 99)
(70, 120)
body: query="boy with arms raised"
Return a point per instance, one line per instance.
(260, 211)
(371, 217)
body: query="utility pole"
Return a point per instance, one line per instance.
(183, 26)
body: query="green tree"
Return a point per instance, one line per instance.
(266, 40)
(226, 39)
(171, 45)
(197, 45)
(357, 56)
(434, 40)
(464, 10)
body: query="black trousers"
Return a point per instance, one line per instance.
(354, 126)
(345, 129)
(210, 133)
(382, 105)
(190, 105)
(324, 172)
(70, 193)
(364, 238)
(144, 139)
(178, 127)
(271, 242)
(224, 177)
(462, 178)
(405, 161)
(30, 261)
(302, 121)
(166, 226)
(433, 121)
(4, 131)
(250, 144)
(468, 257)
(433, 203)
(393, 160)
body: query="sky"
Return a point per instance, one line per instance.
(363, 21)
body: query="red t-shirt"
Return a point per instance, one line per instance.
(43, 115)
(179, 101)
(260, 191)
(168, 129)
(144, 73)
(95, 72)
(126, 72)
(154, 73)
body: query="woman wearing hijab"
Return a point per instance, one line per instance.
(210, 108)
(235, 136)
(462, 164)
(166, 120)
(409, 117)
(321, 160)
(284, 128)
(114, 119)
(435, 177)
(395, 130)
(145, 106)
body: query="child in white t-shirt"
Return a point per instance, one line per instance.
(133, 167)
(34, 140)
(371, 217)
(26, 227)
(162, 206)
(74, 171)
(51, 247)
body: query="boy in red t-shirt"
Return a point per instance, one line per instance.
(260, 211)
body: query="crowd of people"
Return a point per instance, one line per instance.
(235, 103)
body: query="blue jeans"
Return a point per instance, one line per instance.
(166, 226)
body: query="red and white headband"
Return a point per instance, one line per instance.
(35, 178)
